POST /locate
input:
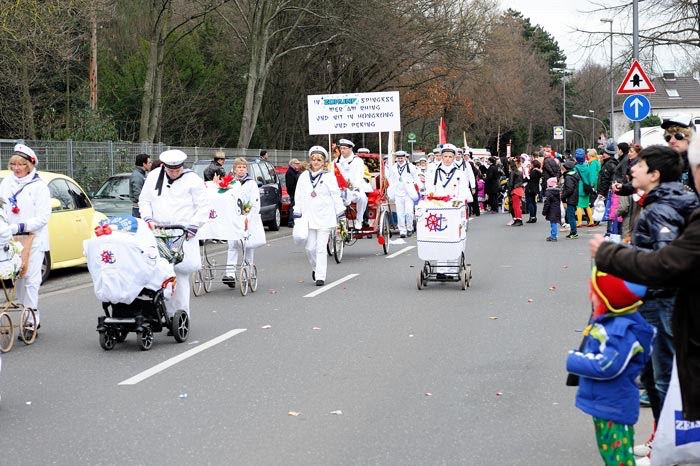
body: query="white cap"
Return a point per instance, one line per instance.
(26, 153)
(683, 120)
(346, 142)
(449, 148)
(422, 159)
(363, 150)
(436, 150)
(318, 150)
(173, 158)
(400, 153)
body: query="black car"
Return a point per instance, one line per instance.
(112, 199)
(268, 182)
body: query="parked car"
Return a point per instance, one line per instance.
(268, 182)
(112, 199)
(286, 200)
(73, 219)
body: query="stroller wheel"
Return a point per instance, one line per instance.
(243, 280)
(106, 341)
(145, 338)
(253, 281)
(180, 326)
(7, 333)
(121, 336)
(27, 326)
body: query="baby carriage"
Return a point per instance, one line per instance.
(14, 253)
(441, 237)
(133, 274)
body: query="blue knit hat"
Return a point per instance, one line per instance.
(580, 155)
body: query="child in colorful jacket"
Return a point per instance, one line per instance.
(617, 344)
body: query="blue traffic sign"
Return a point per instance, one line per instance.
(636, 107)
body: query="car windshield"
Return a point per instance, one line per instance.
(114, 188)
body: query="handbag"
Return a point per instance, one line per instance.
(676, 441)
(300, 232)
(598, 209)
(255, 235)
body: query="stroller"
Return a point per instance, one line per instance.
(133, 274)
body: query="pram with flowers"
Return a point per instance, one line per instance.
(441, 238)
(132, 269)
(14, 255)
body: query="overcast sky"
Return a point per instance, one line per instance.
(560, 18)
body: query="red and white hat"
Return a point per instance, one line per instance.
(26, 153)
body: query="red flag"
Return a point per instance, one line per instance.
(342, 183)
(442, 131)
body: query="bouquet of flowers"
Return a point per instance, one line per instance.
(224, 183)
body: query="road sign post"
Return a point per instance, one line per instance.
(412, 140)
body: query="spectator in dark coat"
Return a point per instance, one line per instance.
(136, 181)
(531, 190)
(569, 195)
(290, 179)
(216, 167)
(551, 209)
(493, 183)
(609, 163)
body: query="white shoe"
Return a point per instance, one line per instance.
(642, 450)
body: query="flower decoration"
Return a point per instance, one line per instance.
(246, 207)
(224, 183)
(13, 203)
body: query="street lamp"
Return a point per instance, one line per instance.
(612, 93)
(583, 138)
(586, 117)
(592, 127)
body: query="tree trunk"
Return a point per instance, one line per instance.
(147, 99)
(157, 102)
(152, 86)
(27, 105)
(93, 60)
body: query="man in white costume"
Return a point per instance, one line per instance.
(447, 179)
(173, 195)
(353, 170)
(403, 178)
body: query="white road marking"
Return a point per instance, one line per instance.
(401, 251)
(331, 285)
(181, 357)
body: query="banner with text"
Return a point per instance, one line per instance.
(368, 112)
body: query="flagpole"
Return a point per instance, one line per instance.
(381, 163)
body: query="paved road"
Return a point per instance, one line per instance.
(438, 376)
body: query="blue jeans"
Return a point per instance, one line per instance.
(553, 229)
(531, 204)
(658, 312)
(571, 218)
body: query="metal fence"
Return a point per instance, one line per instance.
(91, 163)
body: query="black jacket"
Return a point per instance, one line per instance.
(623, 174)
(213, 169)
(569, 193)
(551, 209)
(605, 177)
(533, 183)
(290, 179)
(675, 265)
(515, 180)
(550, 168)
(493, 179)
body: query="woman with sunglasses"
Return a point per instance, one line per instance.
(318, 202)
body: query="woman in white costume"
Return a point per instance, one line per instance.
(403, 179)
(247, 208)
(173, 195)
(27, 206)
(318, 202)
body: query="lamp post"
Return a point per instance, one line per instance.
(586, 117)
(612, 92)
(592, 127)
(579, 134)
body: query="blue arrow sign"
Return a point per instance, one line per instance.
(636, 107)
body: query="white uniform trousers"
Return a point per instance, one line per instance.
(28, 287)
(404, 213)
(316, 251)
(181, 297)
(234, 248)
(360, 199)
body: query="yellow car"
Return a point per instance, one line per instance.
(73, 220)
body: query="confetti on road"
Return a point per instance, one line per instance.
(266, 326)
(493, 317)
(428, 394)
(337, 412)
(294, 413)
(499, 393)
(193, 342)
(410, 335)
(272, 291)
(552, 288)
(183, 396)
(28, 403)
(530, 300)
(315, 328)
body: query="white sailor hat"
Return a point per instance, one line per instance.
(26, 153)
(448, 148)
(422, 159)
(318, 150)
(682, 120)
(436, 150)
(173, 158)
(363, 150)
(400, 153)
(346, 143)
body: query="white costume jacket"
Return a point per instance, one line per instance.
(184, 201)
(323, 209)
(353, 170)
(403, 181)
(33, 200)
(448, 181)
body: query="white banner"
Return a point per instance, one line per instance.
(368, 112)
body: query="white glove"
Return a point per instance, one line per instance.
(15, 228)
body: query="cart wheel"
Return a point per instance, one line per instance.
(243, 280)
(329, 244)
(208, 275)
(7, 333)
(469, 275)
(253, 278)
(463, 280)
(385, 231)
(180, 326)
(419, 282)
(121, 335)
(145, 339)
(27, 326)
(106, 341)
(338, 248)
(197, 283)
